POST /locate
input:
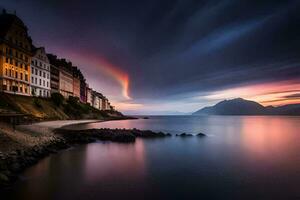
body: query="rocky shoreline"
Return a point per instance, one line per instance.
(14, 162)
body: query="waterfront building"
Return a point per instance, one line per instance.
(65, 78)
(54, 73)
(40, 73)
(27, 70)
(104, 103)
(83, 87)
(96, 102)
(76, 82)
(112, 108)
(89, 96)
(15, 55)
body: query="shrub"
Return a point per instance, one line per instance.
(57, 99)
(37, 102)
(73, 101)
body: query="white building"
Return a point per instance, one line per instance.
(40, 73)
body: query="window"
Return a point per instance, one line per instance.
(36, 71)
(26, 77)
(6, 71)
(35, 80)
(47, 84)
(11, 61)
(16, 75)
(7, 60)
(32, 70)
(40, 73)
(47, 75)
(26, 67)
(43, 82)
(21, 76)
(44, 74)
(32, 80)
(40, 81)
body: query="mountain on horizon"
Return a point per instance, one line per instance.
(241, 106)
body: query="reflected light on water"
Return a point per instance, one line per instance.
(122, 160)
(260, 135)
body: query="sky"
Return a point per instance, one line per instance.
(174, 56)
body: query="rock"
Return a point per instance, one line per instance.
(16, 167)
(201, 135)
(3, 179)
(184, 135)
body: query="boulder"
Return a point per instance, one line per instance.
(184, 135)
(201, 135)
(3, 178)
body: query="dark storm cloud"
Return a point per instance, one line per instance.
(175, 47)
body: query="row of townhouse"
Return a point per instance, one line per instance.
(28, 70)
(97, 100)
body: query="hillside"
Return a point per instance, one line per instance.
(241, 106)
(52, 109)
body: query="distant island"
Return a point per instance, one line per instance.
(241, 106)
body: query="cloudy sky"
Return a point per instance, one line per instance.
(173, 56)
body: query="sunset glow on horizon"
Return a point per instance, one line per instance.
(274, 93)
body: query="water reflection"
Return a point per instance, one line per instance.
(261, 136)
(123, 159)
(243, 158)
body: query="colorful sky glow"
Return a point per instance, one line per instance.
(174, 57)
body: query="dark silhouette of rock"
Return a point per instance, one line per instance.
(184, 135)
(201, 135)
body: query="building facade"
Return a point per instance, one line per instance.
(54, 73)
(83, 87)
(76, 83)
(40, 73)
(105, 104)
(65, 83)
(15, 55)
(96, 101)
(89, 96)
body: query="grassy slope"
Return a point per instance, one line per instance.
(45, 109)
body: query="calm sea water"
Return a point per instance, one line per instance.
(242, 158)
